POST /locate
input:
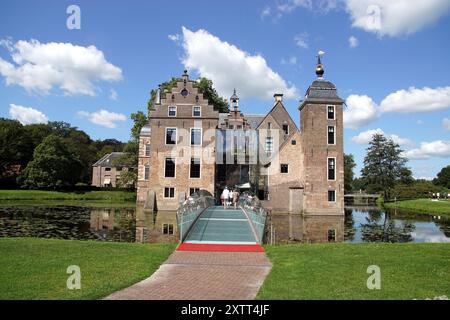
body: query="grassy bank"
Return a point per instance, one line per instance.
(36, 268)
(74, 197)
(339, 271)
(428, 206)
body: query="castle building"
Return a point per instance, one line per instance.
(188, 146)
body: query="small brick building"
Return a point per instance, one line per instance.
(105, 172)
(187, 146)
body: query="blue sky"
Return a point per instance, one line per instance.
(394, 77)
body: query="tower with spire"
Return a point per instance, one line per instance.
(321, 123)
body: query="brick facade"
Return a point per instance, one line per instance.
(294, 178)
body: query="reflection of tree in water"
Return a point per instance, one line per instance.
(65, 222)
(444, 226)
(349, 227)
(381, 228)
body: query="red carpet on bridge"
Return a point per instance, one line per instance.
(220, 247)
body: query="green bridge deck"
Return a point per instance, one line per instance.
(219, 225)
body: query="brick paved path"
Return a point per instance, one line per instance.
(188, 275)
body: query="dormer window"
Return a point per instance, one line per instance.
(286, 129)
(172, 111)
(184, 93)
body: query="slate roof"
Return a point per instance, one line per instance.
(254, 119)
(107, 159)
(322, 91)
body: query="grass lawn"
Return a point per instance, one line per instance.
(339, 271)
(422, 205)
(44, 197)
(34, 268)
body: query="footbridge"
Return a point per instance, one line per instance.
(202, 222)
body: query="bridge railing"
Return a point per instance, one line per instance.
(190, 210)
(255, 211)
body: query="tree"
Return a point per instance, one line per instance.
(127, 179)
(383, 165)
(14, 144)
(349, 165)
(139, 120)
(406, 177)
(443, 178)
(204, 85)
(53, 165)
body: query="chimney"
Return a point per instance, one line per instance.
(278, 97)
(158, 96)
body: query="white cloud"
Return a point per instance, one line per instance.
(230, 67)
(395, 18)
(417, 100)
(103, 117)
(266, 12)
(113, 95)
(446, 124)
(301, 40)
(366, 136)
(26, 115)
(353, 42)
(382, 17)
(427, 150)
(361, 110)
(419, 122)
(174, 37)
(41, 66)
(320, 6)
(292, 61)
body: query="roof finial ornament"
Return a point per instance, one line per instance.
(319, 68)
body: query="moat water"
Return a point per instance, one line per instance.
(136, 225)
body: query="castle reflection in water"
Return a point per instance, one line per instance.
(358, 225)
(281, 228)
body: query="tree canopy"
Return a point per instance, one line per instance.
(54, 165)
(349, 165)
(443, 178)
(18, 143)
(383, 165)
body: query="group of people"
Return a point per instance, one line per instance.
(229, 197)
(438, 195)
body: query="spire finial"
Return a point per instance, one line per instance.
(319, 68)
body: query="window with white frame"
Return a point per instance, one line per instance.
(147, 150)
(167, 228)
(196, 137)
(171, 135)
(331, 135)
(146, 172)
(331, 168)
(196, 111)
(331, 112)
(172, 111)
(193, 190)
(169, 168)
(194, 169)
(331, 195)
(169, 192)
